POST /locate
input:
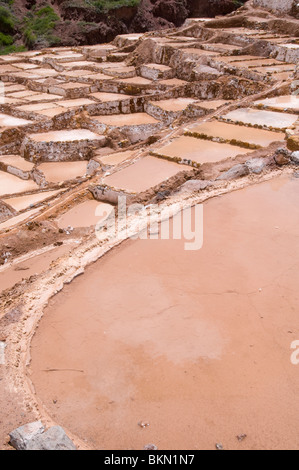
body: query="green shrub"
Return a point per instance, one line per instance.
(105, 5)
(39, 27)
(29, 37)
(101, 5)
(53, 40)
(5, 40)
(7, 22)
(10, 49)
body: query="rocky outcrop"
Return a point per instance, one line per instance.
(212, 8)
(80, 22)
(282, 6)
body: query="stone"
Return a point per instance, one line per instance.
(21, 437)
(39, 178)
(194, 186)
(92, 167)
(204, 72)
(32, 437)
(150, 447)
(282, 157)
(280, 6)
(237, 171)
(295, 157)
(106, 194)
(256, 165)
(162, 195)
(293, 143)
(53, 439)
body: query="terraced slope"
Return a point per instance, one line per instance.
(167, 117)
(35, 24)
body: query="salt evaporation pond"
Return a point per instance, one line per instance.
(194, 343)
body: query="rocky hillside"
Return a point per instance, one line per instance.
(34, 24)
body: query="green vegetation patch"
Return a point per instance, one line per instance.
(7, 28)
(10, 49)
(39, 26)
(7, 20)
(5, 40)
(106, 5)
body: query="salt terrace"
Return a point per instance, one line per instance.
(164, 117)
